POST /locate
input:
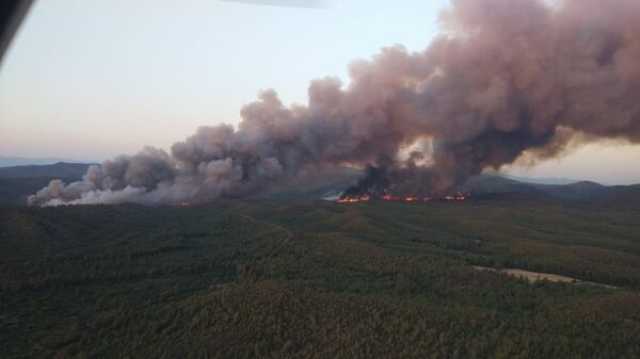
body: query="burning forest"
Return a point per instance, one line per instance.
(503, 80)
(349, 199)
(397, 185)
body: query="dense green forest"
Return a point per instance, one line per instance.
(314, 279)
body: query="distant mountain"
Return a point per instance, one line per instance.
(482, 186)
(584, 190)
(6, 161)
(14, 191)
(18, 182)
(492, 186)
(495, 184)
(623, 196)
(540, 180)
(59, 170)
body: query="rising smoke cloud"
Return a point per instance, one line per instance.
(504, 77)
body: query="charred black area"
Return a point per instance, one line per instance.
(375, 184)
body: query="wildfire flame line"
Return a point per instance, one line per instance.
(458, 197)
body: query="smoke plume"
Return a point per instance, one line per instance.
(504, 77)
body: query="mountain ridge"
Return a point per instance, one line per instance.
(18, 182)
(13, 161)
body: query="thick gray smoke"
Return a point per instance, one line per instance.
(504, 77)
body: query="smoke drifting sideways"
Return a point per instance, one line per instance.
(503, 78)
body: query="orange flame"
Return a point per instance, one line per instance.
(458, 197)
(355, 199)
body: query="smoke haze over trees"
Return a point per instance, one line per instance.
(504, 78)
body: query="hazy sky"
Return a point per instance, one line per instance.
(90, 79)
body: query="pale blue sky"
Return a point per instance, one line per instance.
(90, 79)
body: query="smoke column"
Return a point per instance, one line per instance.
(503, 77)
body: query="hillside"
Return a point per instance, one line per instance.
(6, 161)
(582, 191)
(58, 170)
(18, 182)
(482, 186)
(491, 185)
(14, 191)
(320, 280)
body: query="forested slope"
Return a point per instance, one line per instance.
(319, 280)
